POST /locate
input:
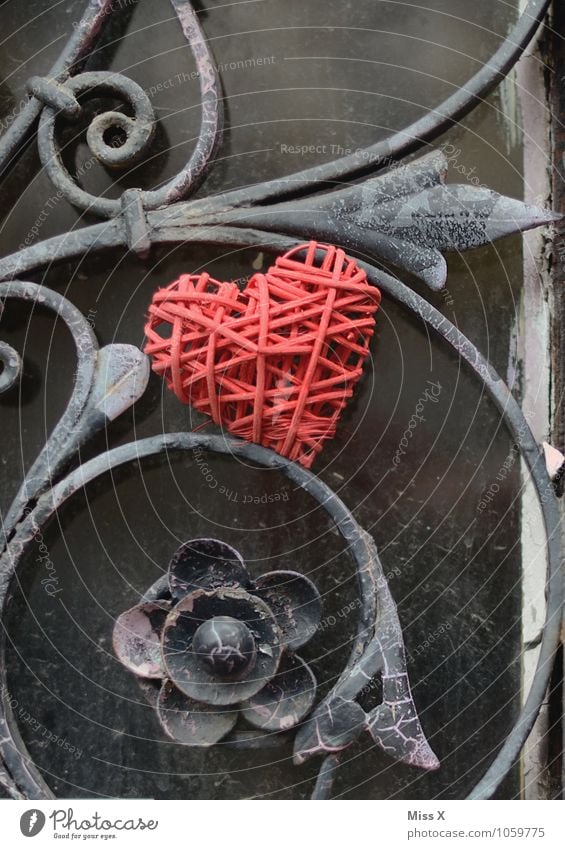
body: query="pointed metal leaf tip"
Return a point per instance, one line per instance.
(554, 460)
(510, 216)
(122, 375)
(460, 217)
(435, 276)
(395, 727)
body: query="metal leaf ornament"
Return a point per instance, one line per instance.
(406, 216)
(379, 651)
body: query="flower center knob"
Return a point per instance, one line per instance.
(225, 645)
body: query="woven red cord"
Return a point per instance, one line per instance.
(275, 363)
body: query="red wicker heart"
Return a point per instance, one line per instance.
(276, 362)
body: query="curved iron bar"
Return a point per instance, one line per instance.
(55, 95)
(59, 444)
(529, 449)
(384, 153)
(388, 215)
(53, 453)
(106, 382)
(355, 165)
(211, 125)
(76, 50)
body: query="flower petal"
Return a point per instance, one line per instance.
(137, 638)
(206, 563)
(331, 728)
(296, 603)
(192, 723)
(285, 700)
(189, 670)
(159, 590)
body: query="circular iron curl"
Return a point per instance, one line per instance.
(17, 763)
(77, 49)
(137, 130)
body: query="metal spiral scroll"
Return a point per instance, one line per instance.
(58, 97)
(109, 380)
(62, 100)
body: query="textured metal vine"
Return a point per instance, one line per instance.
(406, 216)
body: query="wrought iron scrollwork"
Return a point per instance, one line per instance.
(136, 130)
(403, 216)
(378, 646)
(107, 382)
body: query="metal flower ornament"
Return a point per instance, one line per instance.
(275, 364)
(222, 644)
